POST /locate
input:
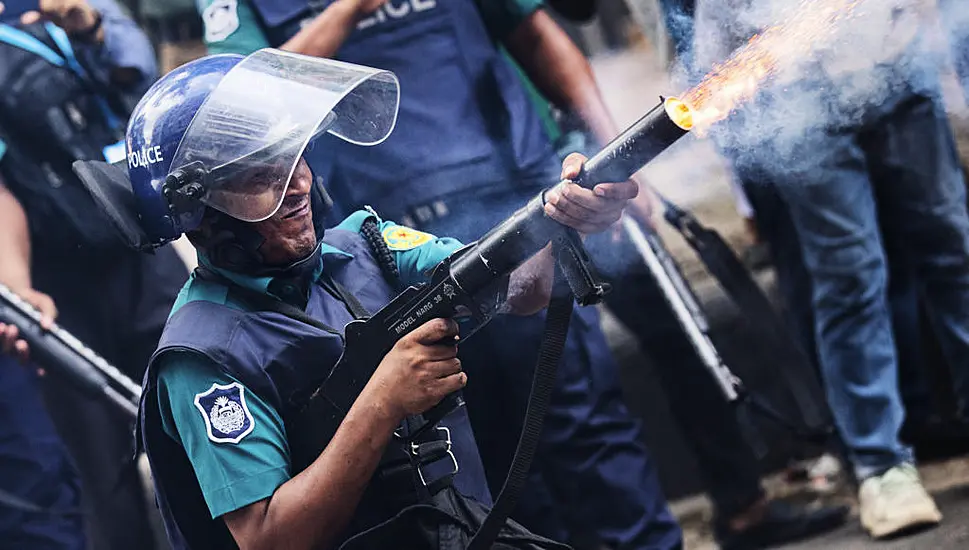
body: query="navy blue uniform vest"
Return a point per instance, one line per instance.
(277, 358)
(465, 122)
(50, 117)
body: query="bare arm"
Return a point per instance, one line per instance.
(15, 271)
(14, 242)
(323, 36)
(563, 75)
(312, 509)
(559, 70)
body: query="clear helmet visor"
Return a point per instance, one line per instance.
(249, 134)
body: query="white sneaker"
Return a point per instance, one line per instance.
(895, 501)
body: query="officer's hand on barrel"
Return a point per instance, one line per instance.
(421, 369)
(77, 17)
(10, 342)
(587, 210)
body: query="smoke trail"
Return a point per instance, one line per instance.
(828, 71)
(955, 24)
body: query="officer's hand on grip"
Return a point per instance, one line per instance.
(10, 342)
(587, 210)
(421, 369)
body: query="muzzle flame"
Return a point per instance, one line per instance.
(783, 44)
(679, 112)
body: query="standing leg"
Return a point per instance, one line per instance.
(927, 195)
(831, 202)
(729, 469)
(833, 210)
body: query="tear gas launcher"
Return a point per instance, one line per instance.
(467, 285)
(59, 352)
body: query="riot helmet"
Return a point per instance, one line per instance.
(226, 132)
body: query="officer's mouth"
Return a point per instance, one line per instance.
(301, 208)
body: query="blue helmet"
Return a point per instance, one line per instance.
(227, 131)
(156, 129)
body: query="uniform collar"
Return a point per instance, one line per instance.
(307, 272)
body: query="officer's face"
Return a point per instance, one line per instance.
(289, 234)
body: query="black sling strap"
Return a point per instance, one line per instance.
(543, 382)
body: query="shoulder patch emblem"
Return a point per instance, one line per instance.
(399, 237)
(227, 418)
(221, 19)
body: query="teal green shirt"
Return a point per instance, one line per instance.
(232, 27)
(233, 475)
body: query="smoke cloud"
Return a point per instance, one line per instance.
(879, 53)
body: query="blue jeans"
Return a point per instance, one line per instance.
(908, 159)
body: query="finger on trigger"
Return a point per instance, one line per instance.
(432, 331)
(448, 329)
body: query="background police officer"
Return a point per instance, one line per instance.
(222, 396)
(69, 76)
(469, 149)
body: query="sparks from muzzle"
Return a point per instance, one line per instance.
(736, 80)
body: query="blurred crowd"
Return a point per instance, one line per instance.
(846, 167)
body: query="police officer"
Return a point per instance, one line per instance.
(69, 75)
(215, 150)
(470, 149)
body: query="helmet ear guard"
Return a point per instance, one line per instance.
(109, 186)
